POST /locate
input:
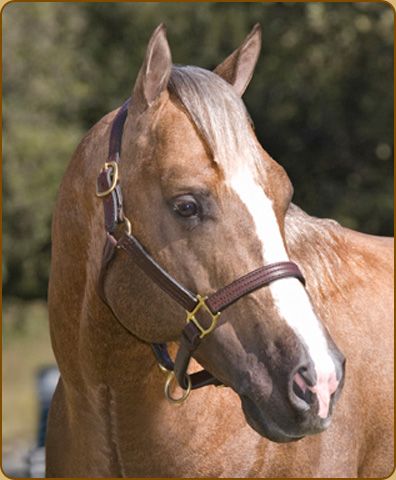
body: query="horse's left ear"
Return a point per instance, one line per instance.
(154, 74)
(238, 68)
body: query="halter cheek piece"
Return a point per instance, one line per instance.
(203, 313)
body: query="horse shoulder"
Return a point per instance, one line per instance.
(364, 324)
(371, 259)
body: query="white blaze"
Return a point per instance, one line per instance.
(289, 296)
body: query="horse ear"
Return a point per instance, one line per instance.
(154, 74)
(238, 68)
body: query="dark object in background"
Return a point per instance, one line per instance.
(31, 463)
(47, 379)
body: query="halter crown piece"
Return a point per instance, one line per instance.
(203, 312)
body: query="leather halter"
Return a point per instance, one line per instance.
(203, 313)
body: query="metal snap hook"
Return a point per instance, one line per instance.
(168, 396)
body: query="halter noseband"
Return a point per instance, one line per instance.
(203, 313)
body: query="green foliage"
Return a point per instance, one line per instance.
(321, 100)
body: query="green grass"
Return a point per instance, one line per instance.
(26, 348)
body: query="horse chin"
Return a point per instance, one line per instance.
(268, 428)
(265, 426)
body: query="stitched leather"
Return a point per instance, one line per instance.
(198, 379)
(116, 132)
(189, 342)
(167, 283)
(218, 301)
(161, 353)
(108, 255)
(254, 280)
(223, 298)
(112, 203)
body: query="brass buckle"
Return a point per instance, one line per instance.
(114, 166)
(191, 317)
(128, 228)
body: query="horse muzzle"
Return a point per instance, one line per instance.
(304, 408)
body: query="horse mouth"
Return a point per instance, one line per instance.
(264, 426)
(267, 427)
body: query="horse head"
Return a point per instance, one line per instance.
(209, 204)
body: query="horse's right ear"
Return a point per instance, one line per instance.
(154, 74)
(237, 69)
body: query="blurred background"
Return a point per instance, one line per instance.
(321, 100)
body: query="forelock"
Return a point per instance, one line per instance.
(219, 115)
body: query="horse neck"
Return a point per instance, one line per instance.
(319, 247)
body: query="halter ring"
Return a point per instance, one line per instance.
(114, 167)
(186, 393)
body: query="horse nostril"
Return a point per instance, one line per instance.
(310, 391)
(306, 395)
(300, 394)
(308, 374)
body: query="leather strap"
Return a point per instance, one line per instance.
(134, 249)
(109, 189)
(198, 379)
(117, 128)
(250, 282)
(112, 202)
(223, 298)
(107, 256)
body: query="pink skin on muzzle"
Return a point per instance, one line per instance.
(324, 388)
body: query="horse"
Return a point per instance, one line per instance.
(176, 247)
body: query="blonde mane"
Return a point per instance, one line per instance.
(219, 115)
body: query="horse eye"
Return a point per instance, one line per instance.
(186, 206)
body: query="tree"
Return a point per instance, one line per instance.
(321, 100)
